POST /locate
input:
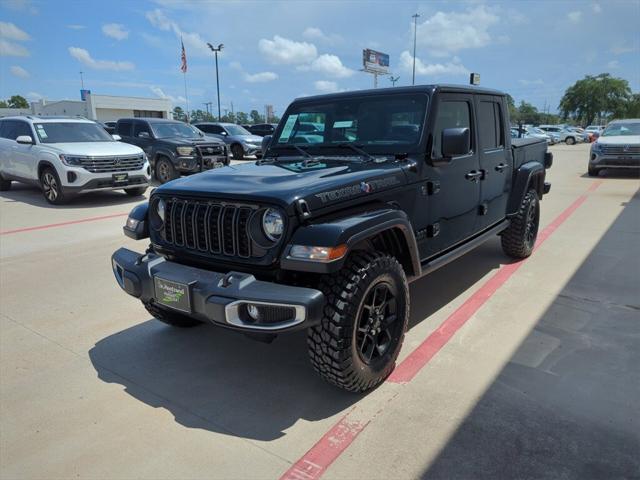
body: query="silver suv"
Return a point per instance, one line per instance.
(566, 135)
(66, 156)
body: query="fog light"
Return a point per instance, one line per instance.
(132, 223)
(317, 254)
(253, 311)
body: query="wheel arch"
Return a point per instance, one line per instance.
(529, 175)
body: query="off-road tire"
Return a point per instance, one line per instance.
(164, 170)
(593, 172)
(570, 140)
(332, 344)
(237, 151)
(170, 318)
(136, 192)
(4, 184)
(519, 239)
(52, 187)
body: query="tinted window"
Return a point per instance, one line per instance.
(451, 114)
(490, 125)
(12, 129)
(175, 129)
(210, 128)
(124, 128)
(71, 132)
(139, 127)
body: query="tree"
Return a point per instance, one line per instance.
(633, 107)
(201, 116)
(513, 111)
(256, 117)
(178, 114)
(595, 97)
(18, 101)
(527, 113)
(229, 117)
(242, 118)
(3, 104)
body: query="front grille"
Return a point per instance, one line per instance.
(208, 227)
(621, 149)
(111, 164)
(210, 150)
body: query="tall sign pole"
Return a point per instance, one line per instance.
(215, 50)
(415, 35)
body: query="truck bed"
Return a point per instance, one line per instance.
(528, 150)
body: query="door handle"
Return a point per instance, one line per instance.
(501, 166)
(474, 175)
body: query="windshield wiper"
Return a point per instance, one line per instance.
(355, 148)
(308, 160)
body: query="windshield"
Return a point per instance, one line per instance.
(622, 129)
(177, 129)
(71, 132)
(382, 123)
(237, 130)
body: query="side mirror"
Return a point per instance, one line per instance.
(456, 142)
(266, 140)
(116, 137)
(25, 140)
(144, 135)
(223, 133)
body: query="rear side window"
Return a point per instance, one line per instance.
(210, 128)
(490, 125)
(140, 127)
(123, 128)
(451, 114)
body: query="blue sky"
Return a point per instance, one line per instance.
(276, 51)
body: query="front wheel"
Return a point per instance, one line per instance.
(51, 187)
(356, 344)
(593, 172)
(237, 152)
(570, 140)
(519, 239)
(165, 171)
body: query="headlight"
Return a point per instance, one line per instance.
(272, 224)
(160, 209)
(157, 214)
(71, 160)
(185, 151)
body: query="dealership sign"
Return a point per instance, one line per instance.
(375, 62)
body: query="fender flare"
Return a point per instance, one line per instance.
(352, 231)
(45, 163)
(164, 153)
(529, 174)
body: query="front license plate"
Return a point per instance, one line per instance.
(120, 177)
(173, 294)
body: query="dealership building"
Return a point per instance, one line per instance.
(103, 108)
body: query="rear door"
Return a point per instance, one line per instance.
(21, 156)
(495, 161)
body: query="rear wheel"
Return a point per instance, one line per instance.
(4, 184)
(365, 317)
(135, 192)
(593, 172)
(237, 151)
(165, 171)
(519, 239)
(570, 140)
(170, 318)
(51, 187)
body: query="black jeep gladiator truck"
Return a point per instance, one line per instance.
(326, 231)
(173, 147)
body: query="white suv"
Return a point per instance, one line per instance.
(66, 156)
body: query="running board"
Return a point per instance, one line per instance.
(440, 261)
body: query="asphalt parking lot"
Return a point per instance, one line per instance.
(509, 370)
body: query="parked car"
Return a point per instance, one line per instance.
(594, 131)
(565, 134)
(262, 129)
(110, 127)
(173, 147)
(326, 236)
(67, 156)
(241, 141)
(537, 133)
(617, 147)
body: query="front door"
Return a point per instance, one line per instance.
(142, 136)
(495, 161)
(454, 182)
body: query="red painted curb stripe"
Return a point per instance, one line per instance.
(315, 462)
(62, 224)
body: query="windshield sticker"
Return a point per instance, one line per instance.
(41, 133)
(288, 127)
(343, 124)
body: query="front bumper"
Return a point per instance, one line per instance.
(614, 161)
(252, 149)
(217, 297)
(80, 180)
(191, 164)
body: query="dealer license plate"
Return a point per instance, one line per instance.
(120, 177)
(173, 294)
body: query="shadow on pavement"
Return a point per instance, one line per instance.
(567, 404)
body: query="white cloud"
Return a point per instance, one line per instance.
(453, 67)
(34, 96)
(193, 42)
(11, 32)
(260, 77)
(76, 27)
(329, 65)
(84, 57)
(620, 48)
(19, 71)
(160, 93)
(287, 52)
(528, 83)
(444, 33)
(326, 86)
(20, 6)
(613, 64)
(596, 8)
(314, 33)
(115, 30)
(10, 49)
(575, 16)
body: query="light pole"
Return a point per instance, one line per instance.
(81, 80)
(415, 34)
(215, 51)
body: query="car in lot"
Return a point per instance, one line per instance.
(594, 131)
(240, 141)
(173, 147)
(66, 156)
(262, 129)
(617, 147)
(110, 127)
(537, 133)
(325, 236)
(567, 135)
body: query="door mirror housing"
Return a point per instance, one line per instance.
(116, 137)
(144, 135)
(25, 140)
(455, 142)
(266, 140)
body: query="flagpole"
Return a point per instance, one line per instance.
(183, 68)
(186, 98)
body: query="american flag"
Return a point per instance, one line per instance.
(183, 57)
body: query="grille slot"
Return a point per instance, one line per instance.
(621, 149)
(208, 227)
(111, 164)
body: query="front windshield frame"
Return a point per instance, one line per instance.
(332, 112)
(155, 126)
(101, 135)
(630, 129)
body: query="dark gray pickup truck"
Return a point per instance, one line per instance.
(326, 231)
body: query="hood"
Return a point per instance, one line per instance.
(619, 140)
(191, 141)
(246, 138)
(95, 148)
(320, 186)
